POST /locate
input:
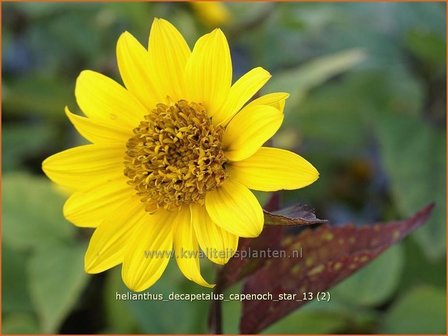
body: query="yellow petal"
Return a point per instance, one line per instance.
(186, 248)
(98, 131)
(249, 130)
(149, 250)
(101, 98)
(88, 208)
(271, 169)
(109, 241)
(276, 99)
(234, 208)
(79, 167)
(209, 71)
(168, 53)
(217, 244)
(135, 70)
(240, 93)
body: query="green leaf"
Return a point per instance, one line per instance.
(421, 310)
(323, 318)
(156, 317)
(413, 155)
(309, 323)
(32, 212)
(362, 288)
(231, 312)
(135, 14)
(37, 94)
(16, 297)
(428, 46)
(301, 80)
(118, 315)
(337, 118)
(24, 141)
(44, 10)
(20, 323)
(419, 269)
(57, 278)
(243, 12)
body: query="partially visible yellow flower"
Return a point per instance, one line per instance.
(173, 156)
(212, 13)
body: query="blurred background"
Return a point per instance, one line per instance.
(367, 108)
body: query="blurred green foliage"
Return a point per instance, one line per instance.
(367, 107)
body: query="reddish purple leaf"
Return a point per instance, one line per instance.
(238, 268)
(235, 266)
(243, 263)
(273, 202)
(330, 254)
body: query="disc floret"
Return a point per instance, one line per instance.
(175, 156)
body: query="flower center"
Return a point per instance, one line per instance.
(175, 156)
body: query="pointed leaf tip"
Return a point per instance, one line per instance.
(330, 254)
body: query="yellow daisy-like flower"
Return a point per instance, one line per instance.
(211, 13)
(173, 156)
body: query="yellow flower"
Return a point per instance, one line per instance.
(211, 13)
(173, 156)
